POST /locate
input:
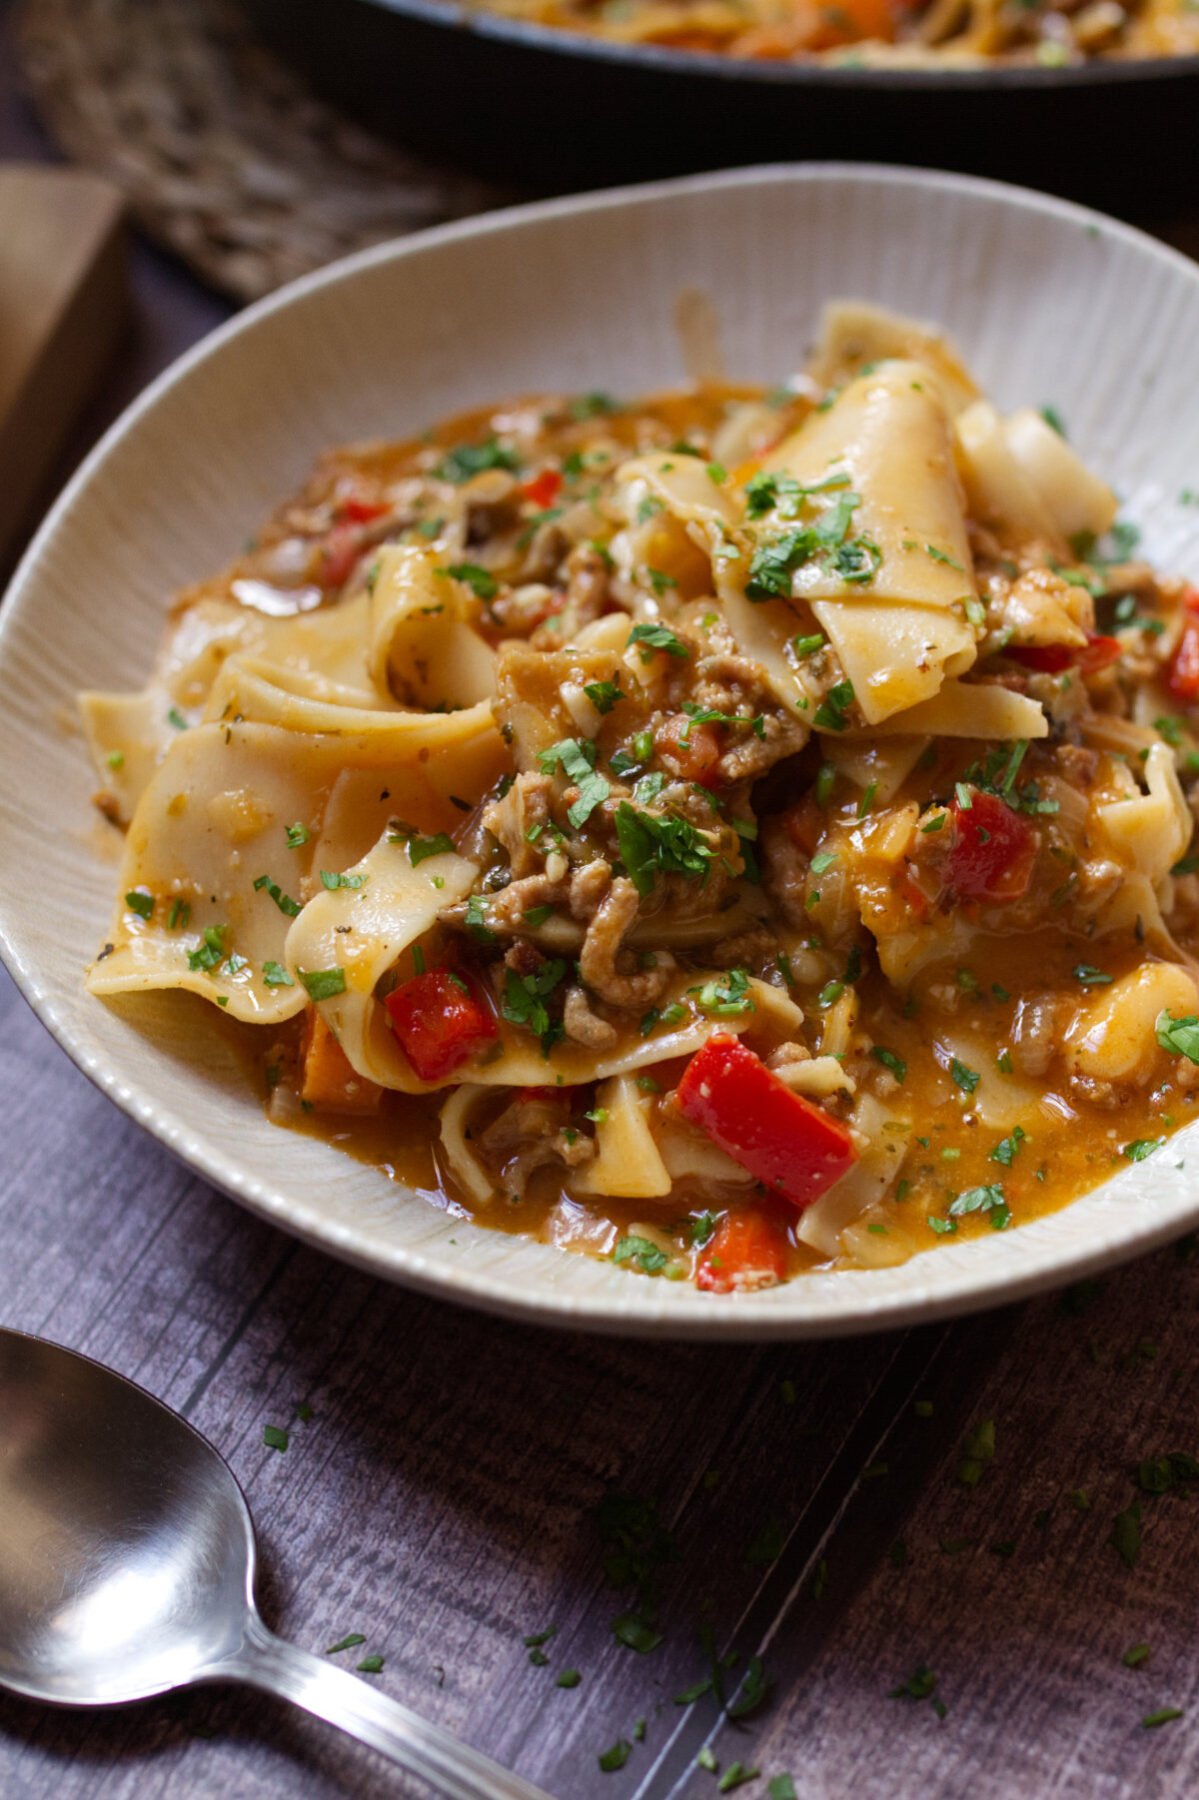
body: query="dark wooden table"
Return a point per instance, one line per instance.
(817, 1506)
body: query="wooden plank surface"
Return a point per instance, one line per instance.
(445, 1497)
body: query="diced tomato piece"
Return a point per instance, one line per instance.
(1045, 659)
(342, 549)
(992, 852)
(543, 489)
(1100, 652)
(794, 1147)
(1050, 659)
(359, 511)
(439, 1020)
(1183, 676)
(804, 824)
(747, 1250)
(690, 751)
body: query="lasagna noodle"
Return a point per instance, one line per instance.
(423, 647)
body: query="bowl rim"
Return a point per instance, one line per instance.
(968, 1285)
(469, 17)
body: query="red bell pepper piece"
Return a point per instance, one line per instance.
(992, 852)
(439, 1020)
(747, 1250)
(690, 751)
(791, 1145)
(359, 511)
(1051, 659)
(1183, 676)
(543, 489)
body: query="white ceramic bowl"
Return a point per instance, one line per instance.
(1049, 303)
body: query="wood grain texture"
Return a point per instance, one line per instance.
(442, 1498)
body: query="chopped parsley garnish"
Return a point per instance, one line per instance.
(576, 758)
(1008, 1148)
(370, 1665)
(480, 581)
(419, 848)
(176, 718)
(630, 1629)
(670, 1015)
(283, 901)
(656, 636)
(322, 984)
(1053, 419)
(297, 835)
(476, 919)
(468, 460)
(603, 695)
(825, 540)
(702, 1228)
(350, 1642)
(781, 1787)
(616, 1757)
(824, 859)
(1162, 1716)
(735, 1776)
(593, 406)
(711, 715)
(274, 1437)
(140, 902)
(830, 714)
(275, 975)
(525, 997)
(115, 759)
(987, 1199)
(333, 881)
(1087, 975)
(647, 1256)
(966, 1078)
(179, 915)
(653, 844)
(808, 646)
(1179, 1036)
(779, 492)
(727, 997)
(890, 1061)
(211, 950)
(569, 1678)
(1140, 1148)
(1134, 1657)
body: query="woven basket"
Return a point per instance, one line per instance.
(223, 154)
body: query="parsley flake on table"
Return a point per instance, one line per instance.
(781, 1787)
(1125, 1537)
(274, 1437)
(616, 1757)
(1162, 1716)
(370, 1665)
(569, 1678)
(350, 1642)
(977, 1451)
(735, 1776)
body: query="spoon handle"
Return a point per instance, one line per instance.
(444, 1761)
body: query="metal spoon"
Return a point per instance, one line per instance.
(127, 1569)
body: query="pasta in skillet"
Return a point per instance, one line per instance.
(727, 833)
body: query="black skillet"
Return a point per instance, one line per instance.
(550, 111)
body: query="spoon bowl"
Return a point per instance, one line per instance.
(127, 1563)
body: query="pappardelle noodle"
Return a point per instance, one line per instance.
(727, 833)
